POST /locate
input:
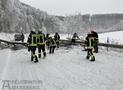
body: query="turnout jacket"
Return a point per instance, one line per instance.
(56, 37)
(41, 38)
(32, 39)
(89, 42)
(52, 42)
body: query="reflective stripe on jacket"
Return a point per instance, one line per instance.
(52, 42)
(41, 39)
(90, 42)
(33, 40)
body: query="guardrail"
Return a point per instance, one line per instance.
(66, 43)
(100, 44)
(13, 42)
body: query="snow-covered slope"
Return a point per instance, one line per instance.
(67, 69)
(19, 17)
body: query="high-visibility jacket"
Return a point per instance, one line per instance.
(52, 42)
(32, 40)
(75, 36)
(95, 35)
(56, 37)
(90, 41)
(41, 39)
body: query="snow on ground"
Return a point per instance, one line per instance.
(114, 37)
(67, 69)
(7, 36)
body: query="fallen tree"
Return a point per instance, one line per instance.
(63, 43)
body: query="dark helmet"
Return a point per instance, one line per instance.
(92, 31)
(56, 33)
(32, 32)
(39, 32)
(75, 33)
(47, 34)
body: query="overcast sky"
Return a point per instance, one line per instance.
(67, 7)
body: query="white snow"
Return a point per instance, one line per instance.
(114, 37)
(67, 69)
(10, 36)
(7, 36)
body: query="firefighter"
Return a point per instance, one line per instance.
(32, 44)
(74, 38)
(52, 45)
(41, 44)
(22, 37)
(47, 39)
(95, 35)
(57, 38)
(90, 46)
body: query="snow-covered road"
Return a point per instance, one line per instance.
(67, 69)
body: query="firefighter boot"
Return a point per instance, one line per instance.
(36, 59)
(31, 58)
(87, 57)
(92, 58)
(39, 55)
(44, 53)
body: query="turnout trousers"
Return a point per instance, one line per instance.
(33, 55)
(41, 48)
(90, 54)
